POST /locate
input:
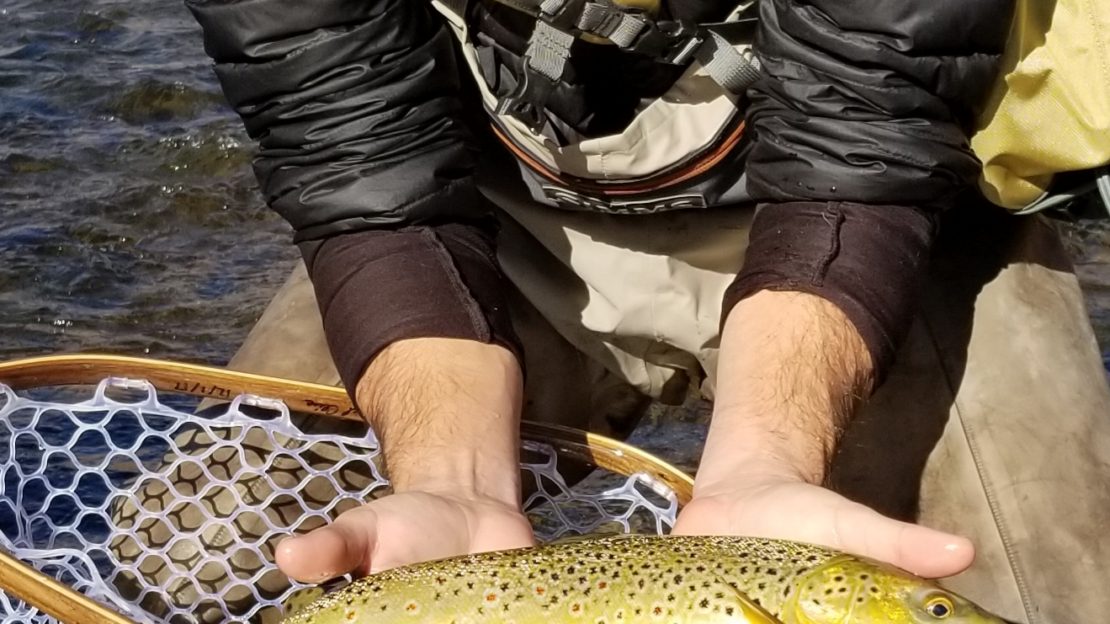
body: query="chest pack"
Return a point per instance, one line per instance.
(680, 148)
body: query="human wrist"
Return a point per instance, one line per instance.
(789, 375)
(740, 453)
(464, 475)
(447, 415)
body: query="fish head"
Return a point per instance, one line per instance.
(846, 589)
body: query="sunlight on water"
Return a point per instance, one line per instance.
(132, 220)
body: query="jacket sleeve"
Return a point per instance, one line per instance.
(861, 121)
(357, 112)
(871, 100)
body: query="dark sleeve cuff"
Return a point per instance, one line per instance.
(377, 287)
(868, 260)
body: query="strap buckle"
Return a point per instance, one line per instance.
(674, 43)
(526, 103)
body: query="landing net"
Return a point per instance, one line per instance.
(167, 516)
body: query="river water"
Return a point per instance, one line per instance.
(132, 223)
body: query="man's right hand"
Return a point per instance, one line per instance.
(401, 529)
(447, 414)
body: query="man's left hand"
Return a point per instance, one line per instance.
(793, 509)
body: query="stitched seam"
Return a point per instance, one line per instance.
(834, 218)
(885, 122)
(1004, 532)
(905, 157)
(988, 489)
(397, 212)
(909, 83)
(1100, 43)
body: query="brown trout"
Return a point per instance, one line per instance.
(672, 580)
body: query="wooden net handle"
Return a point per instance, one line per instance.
(21, 581)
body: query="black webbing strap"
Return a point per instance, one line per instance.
(560, 22)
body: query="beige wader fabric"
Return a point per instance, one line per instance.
(994, 423)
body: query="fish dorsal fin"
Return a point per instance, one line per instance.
(730, 598)
(751, 612)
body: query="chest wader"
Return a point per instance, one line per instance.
(681, 150)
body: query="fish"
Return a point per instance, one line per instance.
(641, 578)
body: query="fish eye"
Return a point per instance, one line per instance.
(939, 607)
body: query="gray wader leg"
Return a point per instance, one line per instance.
(288, 341)
(995, 424)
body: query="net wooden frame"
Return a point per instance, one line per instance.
(21, 581)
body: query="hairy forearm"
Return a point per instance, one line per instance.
(792, 370)
(447, 413)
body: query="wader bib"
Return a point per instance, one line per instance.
(669, 155)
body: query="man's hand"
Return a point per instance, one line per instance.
(792, 370)
(402, 529)
(447, 413)
(796, 510)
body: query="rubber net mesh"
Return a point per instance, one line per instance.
(167, 516)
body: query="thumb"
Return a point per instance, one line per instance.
(917, 549)
(332, 550)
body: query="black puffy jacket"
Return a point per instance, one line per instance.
(361, 115)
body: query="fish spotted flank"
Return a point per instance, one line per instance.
(670, 580)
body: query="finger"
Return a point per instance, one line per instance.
(934, 554)
(917, 549)
(341, 547)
